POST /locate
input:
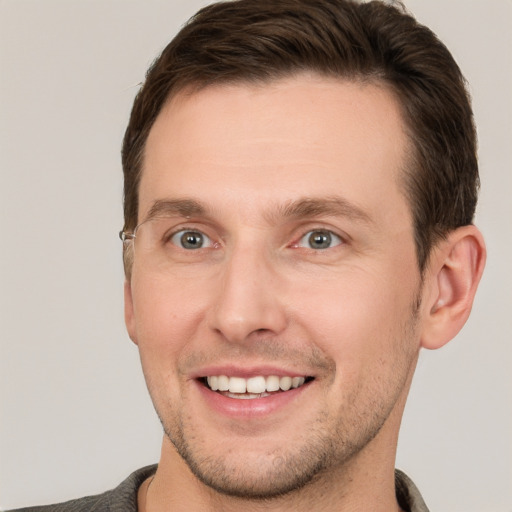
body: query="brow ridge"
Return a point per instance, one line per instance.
(305, 207)
(335, 206)
(183, 207)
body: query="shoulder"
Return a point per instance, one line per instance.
(98, 503)
(408, 496)
(121, 499)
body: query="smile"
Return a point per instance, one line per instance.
(253, 387)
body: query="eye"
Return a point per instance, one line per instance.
(319, 239)
(190, 240)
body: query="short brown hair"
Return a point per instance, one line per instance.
(262, 40)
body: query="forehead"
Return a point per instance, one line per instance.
(272, 143)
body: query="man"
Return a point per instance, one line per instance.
(300, 184)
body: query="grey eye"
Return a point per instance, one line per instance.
(187, 239)
(319, 239)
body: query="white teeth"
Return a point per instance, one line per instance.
(254, 386)
(246, 396)
(223, 383)
(297, 381)
(272, 383)
(285, 383)
(237, 385)
(213, 382)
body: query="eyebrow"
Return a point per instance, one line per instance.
(334, 206)
(180, 207)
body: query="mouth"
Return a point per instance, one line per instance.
(254, 387)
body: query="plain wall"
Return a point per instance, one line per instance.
(75, 415)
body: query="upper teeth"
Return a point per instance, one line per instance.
(255, 385)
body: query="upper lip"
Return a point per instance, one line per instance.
(233, 370)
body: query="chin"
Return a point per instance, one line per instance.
(261, 477)
(270, 472)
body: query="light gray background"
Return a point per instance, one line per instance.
(75, 416)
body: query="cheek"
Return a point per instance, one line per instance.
(166, 316)
(357, 317)
(164, 322)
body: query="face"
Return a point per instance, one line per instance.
(282, 273)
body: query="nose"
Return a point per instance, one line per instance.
(248, 301)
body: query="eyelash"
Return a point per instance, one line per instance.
(171, 238)
(327, 234)
(329, 237)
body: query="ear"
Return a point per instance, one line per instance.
(129, 315)
(453, 275)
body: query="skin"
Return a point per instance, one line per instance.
(257, 299)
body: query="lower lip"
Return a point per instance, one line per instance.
(249, 408)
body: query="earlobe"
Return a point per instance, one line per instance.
(455, 271)
(129, 316)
